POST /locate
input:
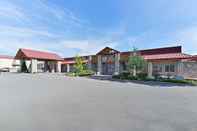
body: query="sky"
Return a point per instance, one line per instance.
(83, 27)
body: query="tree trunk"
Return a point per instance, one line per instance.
(134, 71)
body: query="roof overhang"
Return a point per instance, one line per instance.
(169, 56)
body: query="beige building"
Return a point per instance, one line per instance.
(165, 62)
(9, 64)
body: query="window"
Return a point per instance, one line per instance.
(40, 66)
(157, 68)
(167, 68)
(170, 68)
(104, 59)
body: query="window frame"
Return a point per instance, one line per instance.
(158, 68)
(169, 66)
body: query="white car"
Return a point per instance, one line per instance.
(4, 69)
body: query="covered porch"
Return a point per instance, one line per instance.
(32, 61)
(108, 62)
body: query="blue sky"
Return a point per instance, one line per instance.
(70, 27)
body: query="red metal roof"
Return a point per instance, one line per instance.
(33, 54)
(194, 57)
(165, 50)
(167, 56)
(6, 57)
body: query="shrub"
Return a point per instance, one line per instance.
(82, 73)
(128, 76)
(191, 82)
(175, 81)
(124, 75)
(78, 67)
(131, 77)
(86, 73)
(142, 76)
(116, 76)
(156, 76)
(70, 74)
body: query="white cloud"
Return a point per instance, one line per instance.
(186, 37)
(9, 10)
(10, 47)
(88, 47)
(81, 47)
(37, 26)
(60, 15)
(22, 32)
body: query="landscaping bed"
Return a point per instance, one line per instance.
(143, 77)
(81, 74)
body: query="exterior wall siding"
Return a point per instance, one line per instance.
(189, 70)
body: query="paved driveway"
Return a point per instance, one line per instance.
(44, 102)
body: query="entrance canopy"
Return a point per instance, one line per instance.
(40, 55)
(107, 51)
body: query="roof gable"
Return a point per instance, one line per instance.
(33, 54)
(107, 50)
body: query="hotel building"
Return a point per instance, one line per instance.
(168, 61)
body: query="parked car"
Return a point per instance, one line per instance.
(4, 69)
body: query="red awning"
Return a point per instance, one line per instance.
(168, 56)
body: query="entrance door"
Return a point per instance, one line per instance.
(104, 69)
(24, 68)
(108, 69)
(111, 68)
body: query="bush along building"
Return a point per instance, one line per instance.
(166, 62)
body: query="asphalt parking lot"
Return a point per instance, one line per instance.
(51, 102)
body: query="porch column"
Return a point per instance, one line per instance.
(68, 68)
(59, 66)
(180, 68)
(90, 62)
(99, 65)
(150, 70)
(53, 67)
(34, 66)
(117, 64)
